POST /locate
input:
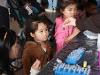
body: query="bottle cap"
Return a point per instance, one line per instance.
(84, 64)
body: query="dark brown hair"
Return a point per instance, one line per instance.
(31, 25)
(63, 5)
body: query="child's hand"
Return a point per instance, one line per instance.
(69, 21)
(66, 41)
(36, 64)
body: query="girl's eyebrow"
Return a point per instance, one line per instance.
(41, 29)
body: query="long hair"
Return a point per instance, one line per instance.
(6, 37)
(6, 41)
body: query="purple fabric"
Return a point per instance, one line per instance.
(99, 58)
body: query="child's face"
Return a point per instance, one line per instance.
(41, 34)
(69, 11)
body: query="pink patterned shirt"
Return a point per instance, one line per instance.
(62, 32)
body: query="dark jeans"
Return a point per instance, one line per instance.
(4, 17)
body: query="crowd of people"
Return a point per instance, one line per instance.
(41, 38)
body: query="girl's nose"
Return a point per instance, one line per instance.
(45, 33)
(73, 12)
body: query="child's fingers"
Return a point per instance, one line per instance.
(36, 64)
(69, 21)
(66, 21)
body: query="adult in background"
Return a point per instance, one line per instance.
(6, 42)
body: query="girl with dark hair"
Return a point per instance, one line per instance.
(37, 50)
(8, 50)
(6, 41)
(65, 23)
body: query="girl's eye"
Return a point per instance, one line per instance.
(70, 9)
(46, 29)
(41, 31)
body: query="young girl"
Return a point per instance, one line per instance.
(37, 50)
(65, 23)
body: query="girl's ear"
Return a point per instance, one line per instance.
(31, 34)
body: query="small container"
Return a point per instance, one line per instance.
(84, 64)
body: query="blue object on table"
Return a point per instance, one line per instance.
(66, 69)
(75, 56)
